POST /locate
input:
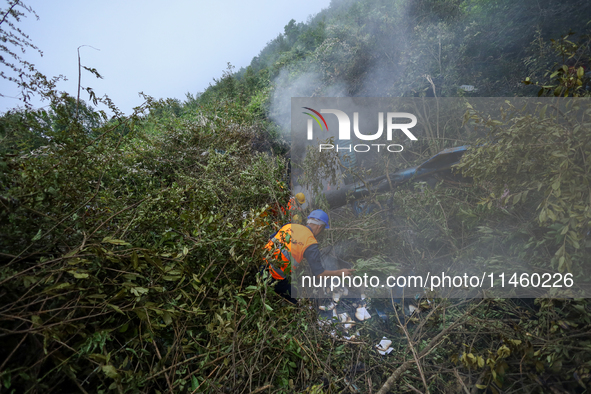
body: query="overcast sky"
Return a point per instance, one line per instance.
(162, 48)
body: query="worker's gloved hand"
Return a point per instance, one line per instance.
(345, 271)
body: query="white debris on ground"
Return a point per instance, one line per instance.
(352, 337)
(322, 322)
(336, 296)
(346, 321)
(384, 346)
(468, 88)
(352, 386)
(349, 323)
(362, 314)
(328, 307)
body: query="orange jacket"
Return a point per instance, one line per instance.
(288, 245)
(296, 212)
(291, 204)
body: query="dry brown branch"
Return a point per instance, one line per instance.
(38, 265)
(64, 322)
(262, 389)
(208, 376)
(461, 381)
(478, 381)
(413, 388)
(165, 375)
(412, 348)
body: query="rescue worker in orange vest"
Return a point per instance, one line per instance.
(294, 206)
(294, 242)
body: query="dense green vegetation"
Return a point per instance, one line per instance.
(130, 245)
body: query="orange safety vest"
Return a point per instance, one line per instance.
(294, 209)
(293, 205)
(288, 245)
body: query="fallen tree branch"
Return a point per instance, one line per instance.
(461, 381)
(414, 352)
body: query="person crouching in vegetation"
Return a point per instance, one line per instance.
(293, 243)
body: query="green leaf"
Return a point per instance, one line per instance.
(155, 262)
(6, 380)
(561, 264)
(37, 236)
(139, 290)
(37, 321)
(117, 309)
(480, 361)
(134, 260)
(141, 314)
(98, 357)
(543, 111)
(110, 371)
(78, 275)
(115, 241)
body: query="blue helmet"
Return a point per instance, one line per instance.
(320, 215)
